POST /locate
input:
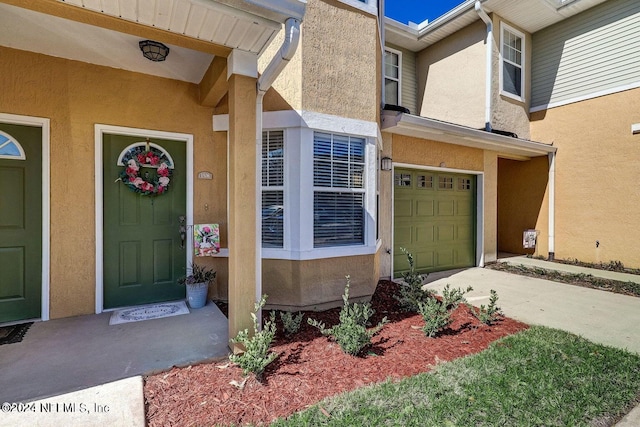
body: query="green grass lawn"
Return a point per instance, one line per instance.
(538, 377)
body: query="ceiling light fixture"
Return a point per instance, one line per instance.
(154, 51)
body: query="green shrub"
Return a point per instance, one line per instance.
(436, 316)
(256, 356)
(290, 322)
(451, 298)
(351, 333)
(489, 314)
(411, 292)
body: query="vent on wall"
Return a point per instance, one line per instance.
(635, 128)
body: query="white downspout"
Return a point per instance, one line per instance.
(552, 206)
(489, 79)
(275, 67)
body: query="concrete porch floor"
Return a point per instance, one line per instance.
(64, 355)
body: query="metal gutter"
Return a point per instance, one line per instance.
(436, 130)
(488, 107)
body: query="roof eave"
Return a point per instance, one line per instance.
(436, 130)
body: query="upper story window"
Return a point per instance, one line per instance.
(273, 189)
(339, 190)
(392, 74)
(512, 54)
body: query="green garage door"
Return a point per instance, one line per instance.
(434, 219)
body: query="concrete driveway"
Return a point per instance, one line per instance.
(599, 316)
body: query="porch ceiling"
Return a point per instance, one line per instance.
(107, 32)
(436, 130)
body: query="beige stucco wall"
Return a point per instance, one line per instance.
(314, 284)
(597, 194)
(336, 68)
(452, 81)
(420, 153)
(523, 204)
(75, 96)
(451, 78)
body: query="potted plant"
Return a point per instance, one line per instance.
(197, 283)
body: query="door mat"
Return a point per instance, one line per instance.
(147, 312)
(14, 333)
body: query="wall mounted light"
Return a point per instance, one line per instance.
(386, 164)
(154, 51)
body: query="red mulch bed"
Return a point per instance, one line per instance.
(310, 368)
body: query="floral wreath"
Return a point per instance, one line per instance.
(130, 176)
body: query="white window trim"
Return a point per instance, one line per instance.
(298, 195)
(369, 6)
(399, 79)
(522, 66)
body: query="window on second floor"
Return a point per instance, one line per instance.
(512, 54)
(392, 69)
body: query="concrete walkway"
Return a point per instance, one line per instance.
(80, 360)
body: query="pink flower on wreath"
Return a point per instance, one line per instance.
(133, 166)
(163, 170)
(146, 186)
(153, 159)
(142, 158)
(138, 182)
(163, 181)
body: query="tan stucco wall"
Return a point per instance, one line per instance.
(490, 200)
(75, 96)
(423, 152)
(337, 63)
(451, 78)
(597, 194)
(523, 204)
(385, 220)
(315, 284)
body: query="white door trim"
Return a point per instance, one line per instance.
(44, 124)
(479, 204)
(100, 130)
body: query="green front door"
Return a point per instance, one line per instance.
(20, 222)
(434, 219)
(143, 252)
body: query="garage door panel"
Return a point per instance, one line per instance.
(445, 258)
(425, 208)
(403, 236)
(445, 233)
(435, 221)
(465, 232)
(424, 234)
(403, 208)
(446, 207)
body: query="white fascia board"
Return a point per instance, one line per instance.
(408, 124)
(278, 10)
(307, 119)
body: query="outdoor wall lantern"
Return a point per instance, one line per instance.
(386, 164)
(154, 51)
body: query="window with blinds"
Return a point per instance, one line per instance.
(273, 189)
(339, 194)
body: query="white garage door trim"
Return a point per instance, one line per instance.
(479, 205)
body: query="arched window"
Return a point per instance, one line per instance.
(140, 147)
(10, 148)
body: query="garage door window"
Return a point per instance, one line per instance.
(425, 181)
(445, 183)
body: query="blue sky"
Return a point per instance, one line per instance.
(418, 10)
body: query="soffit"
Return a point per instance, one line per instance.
(436, 130)
(107, 32)
(529, 15)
